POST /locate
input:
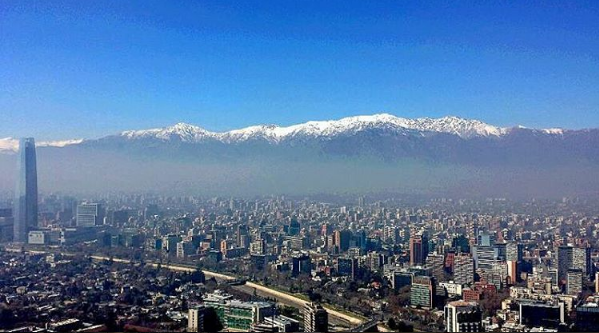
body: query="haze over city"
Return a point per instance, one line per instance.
(299, 166)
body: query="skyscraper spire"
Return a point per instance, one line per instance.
(26, 190)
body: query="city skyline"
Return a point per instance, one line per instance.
(299, 166)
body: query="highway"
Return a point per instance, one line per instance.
(337, 317)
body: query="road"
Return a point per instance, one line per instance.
(337, 317)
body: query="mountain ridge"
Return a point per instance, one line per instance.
(325, 129)
(185, 132)
(364, 153)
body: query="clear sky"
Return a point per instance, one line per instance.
(72, 69)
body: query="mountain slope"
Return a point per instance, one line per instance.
(381, 152)
(323, 129)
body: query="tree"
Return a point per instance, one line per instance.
(7, 317)
(403, 327)
(391, 323)
(198, 276)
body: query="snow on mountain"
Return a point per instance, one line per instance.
(553, 131)
(464, 128)
(9, 145)
(12, 145)
(182, 131)
(313, 129)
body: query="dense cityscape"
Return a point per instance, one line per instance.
(148, 262)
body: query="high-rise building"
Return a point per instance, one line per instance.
(581, 258)
(569, 257)
(294, 227)
(195, 321)
(565, 258)
(89, 215)
(25, 211)
(484, 256)
(418, 249)
(514, 252)
(463, 316)
(435, 262)
(301, 264)
(463, 269)
(485, 239)
(258, 246)
(347, 267)
(375, 261)
(423, 291)
(6, 225)
(574, 281)
(500, 250)
(316, 318)
(496, 275)
(461, 244)
(401, 280)
(342, 239)
(512, 272)
(242, 235)
(540, 314)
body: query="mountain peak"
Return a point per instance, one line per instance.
(464, 128)
(183, 126)
(179, 131)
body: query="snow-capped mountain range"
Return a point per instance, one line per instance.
(375, 152)
(463, 128)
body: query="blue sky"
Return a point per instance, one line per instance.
(89, 68)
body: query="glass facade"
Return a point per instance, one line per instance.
(25, 211)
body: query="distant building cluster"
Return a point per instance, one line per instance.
(458, 265)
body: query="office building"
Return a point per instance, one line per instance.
(301, 264)
(463, 269)
(25, 209)
(587, 316)
(347, 267)
(38, 237)
(89, 215)
(514, 252)
(565, 258)
(574, 282)
(533, 314)
(484, 256)
(463, 316)
(342, 239)
(435, 262)
(237, 315)
(316, 318)
(195, 321)
(258, 246)
(418, 249)
(485, 239)
(569, 257)
(423, 291)
(581, 259)
(6, 225)
(401, 280)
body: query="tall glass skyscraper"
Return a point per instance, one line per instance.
(25, 211)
